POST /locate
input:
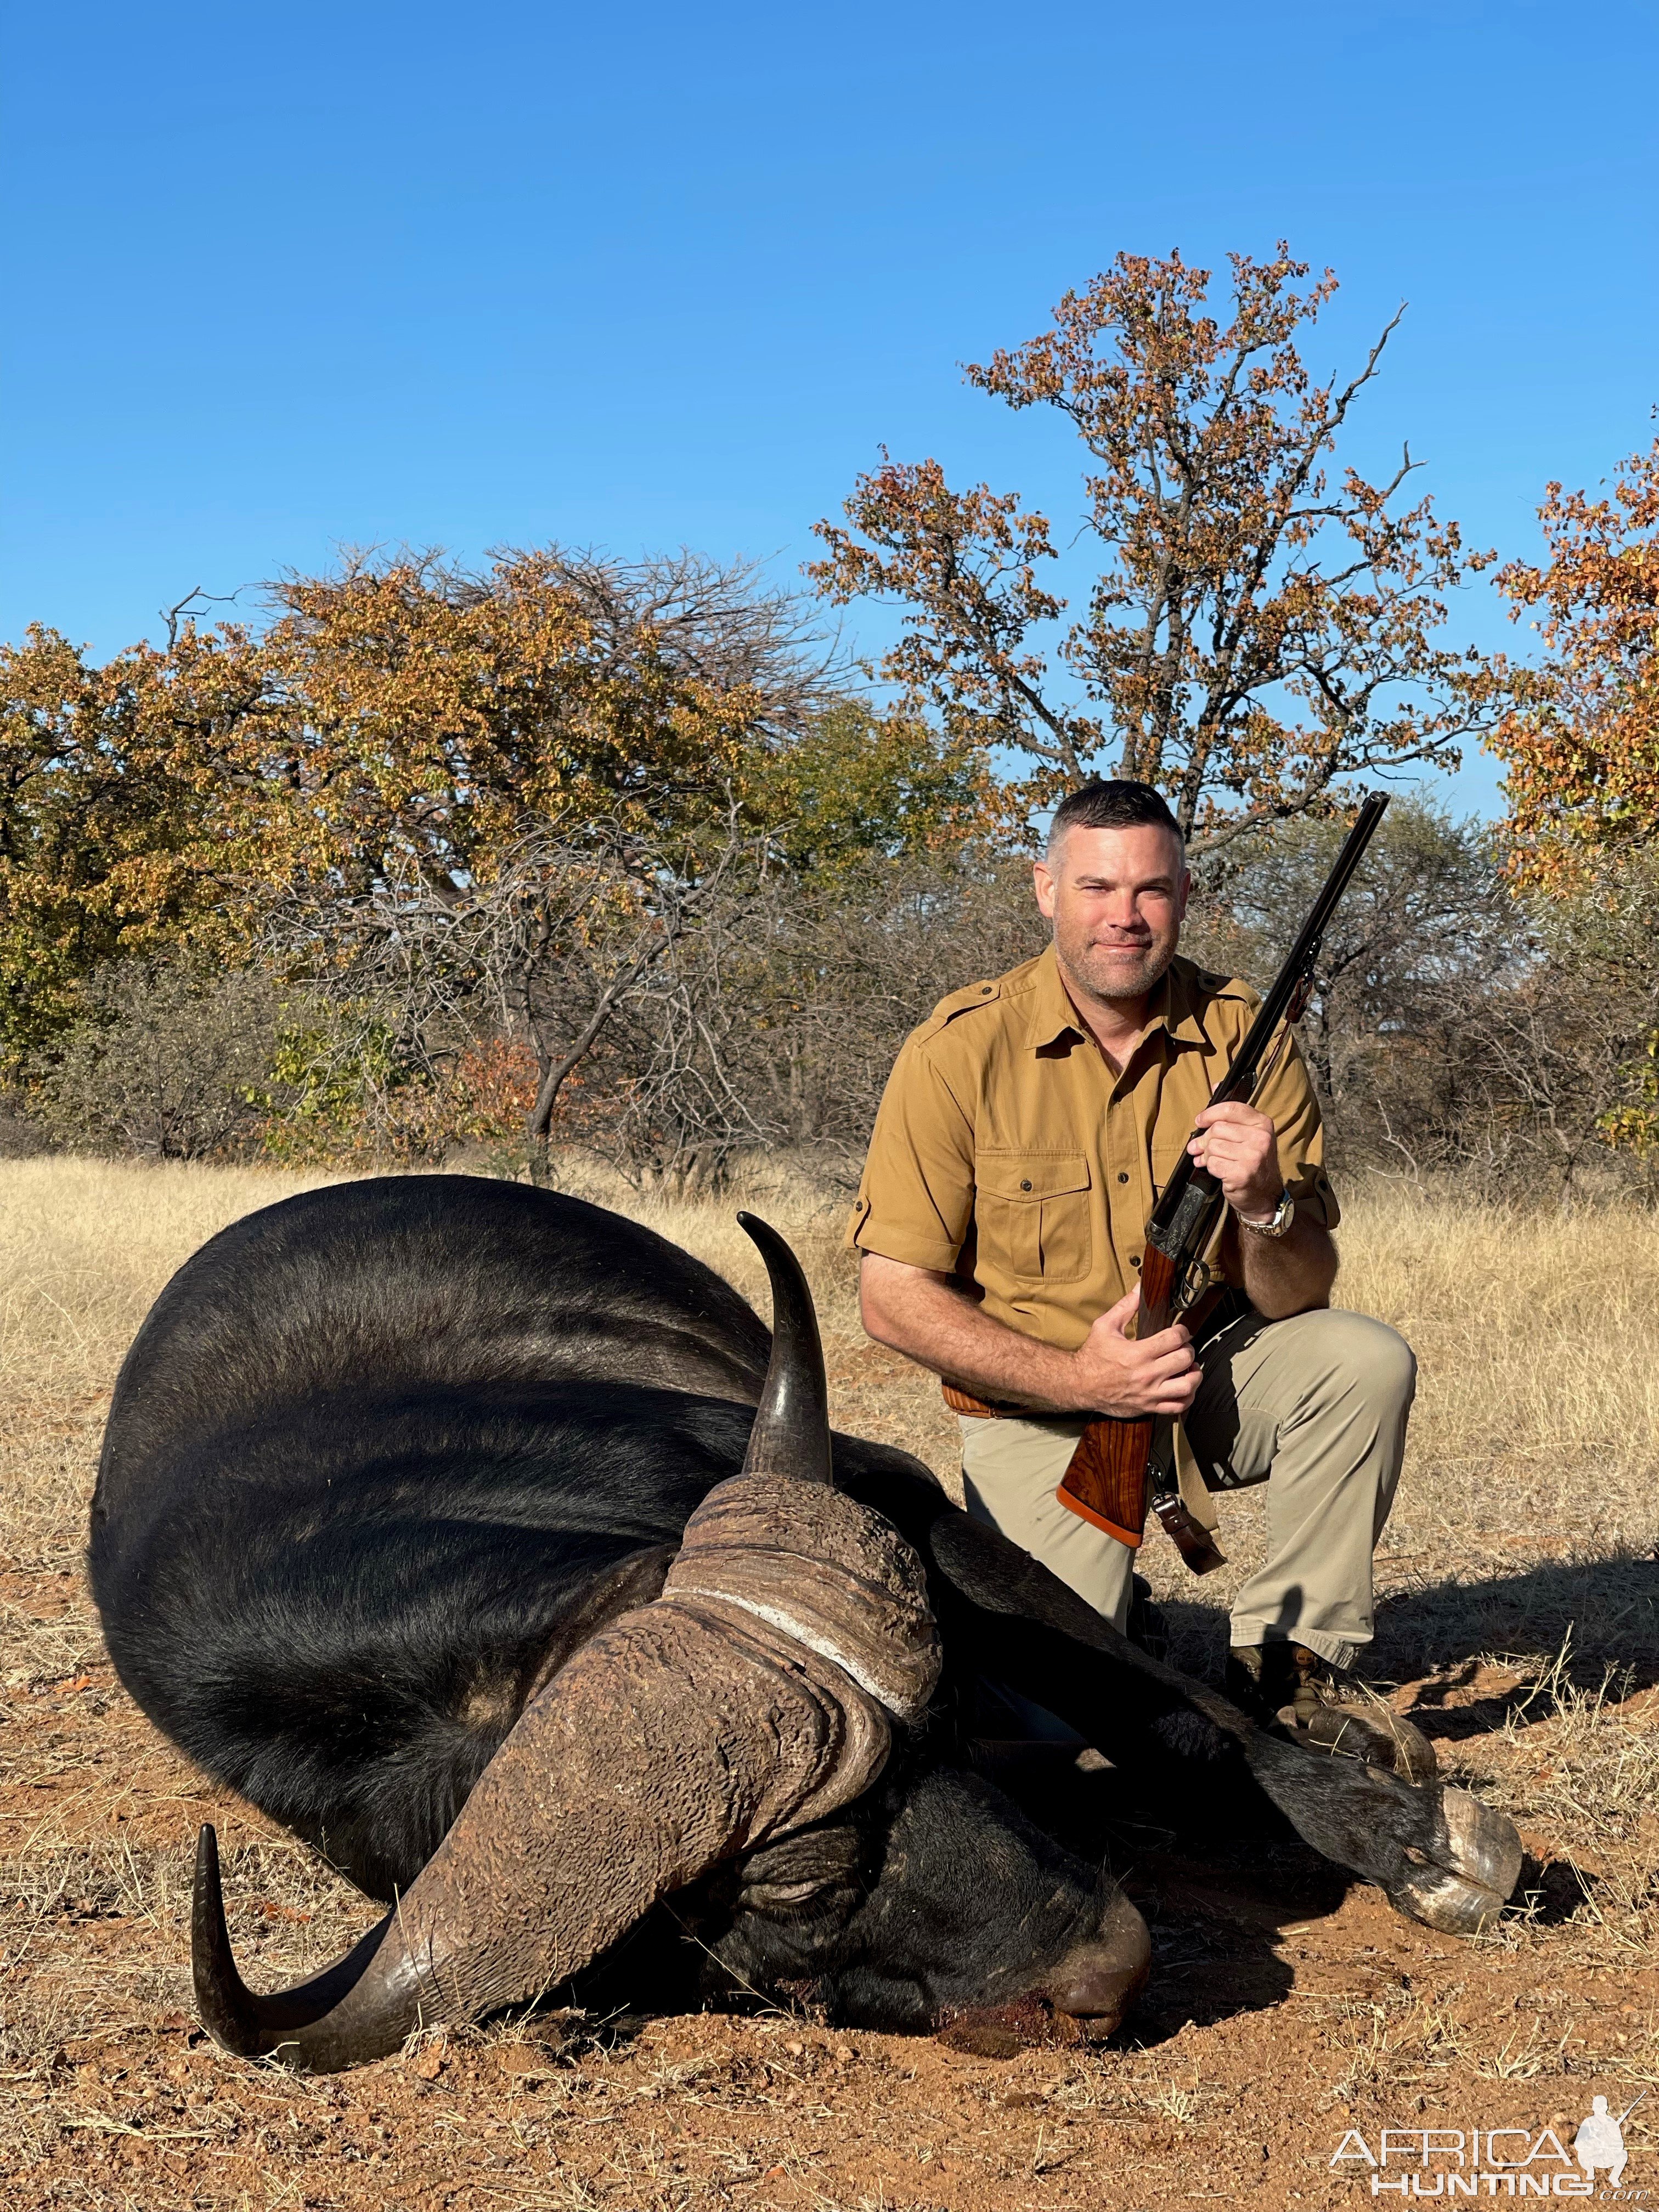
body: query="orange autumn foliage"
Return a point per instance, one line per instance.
(355, 789)
(1256, 633)
(1581, 740)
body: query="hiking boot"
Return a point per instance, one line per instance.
(1326, 1707)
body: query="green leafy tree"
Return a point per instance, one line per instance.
(858, 785)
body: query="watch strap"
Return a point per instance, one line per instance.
(1279, 1224)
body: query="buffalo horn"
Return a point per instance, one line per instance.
(791, 1435)
(316, 2024)
(618, 1784)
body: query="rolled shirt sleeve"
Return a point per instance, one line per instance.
(915, 1199)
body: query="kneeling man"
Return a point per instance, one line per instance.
(1025, 1131)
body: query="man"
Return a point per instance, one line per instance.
(1025, 1132)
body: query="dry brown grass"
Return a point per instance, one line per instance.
(1520, 1624)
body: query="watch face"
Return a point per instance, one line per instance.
(1278, 1221)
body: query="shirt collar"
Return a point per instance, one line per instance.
(1174, 1006)
(1053, 1016)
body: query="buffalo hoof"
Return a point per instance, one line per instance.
(1473, 1872)
(1370, 1732)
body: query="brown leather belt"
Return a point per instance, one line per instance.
(964, 1401)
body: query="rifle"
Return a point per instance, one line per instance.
(1107, 1480)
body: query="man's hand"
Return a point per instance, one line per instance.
(929, 1317)
(1128, 1378)
(1237, 1145)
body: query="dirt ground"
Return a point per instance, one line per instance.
(1291, 2016)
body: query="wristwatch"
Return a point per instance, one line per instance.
(1278, 1224)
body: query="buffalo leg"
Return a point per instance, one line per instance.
(1439, 1853)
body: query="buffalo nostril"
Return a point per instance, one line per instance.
(1095, 1986)
(1099, 1980)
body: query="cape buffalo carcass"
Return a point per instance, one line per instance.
(481, 1537)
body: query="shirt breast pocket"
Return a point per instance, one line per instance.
(1031, 1210)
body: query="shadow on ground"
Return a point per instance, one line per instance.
(1219, 1879)
(1603, 1612)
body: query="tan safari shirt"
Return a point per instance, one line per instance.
(1008, 1152)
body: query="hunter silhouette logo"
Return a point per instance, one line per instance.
(1492, 2161)
(1600, 2141)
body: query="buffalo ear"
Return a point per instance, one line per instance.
(791, 1435)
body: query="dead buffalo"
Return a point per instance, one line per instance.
(437, 1518)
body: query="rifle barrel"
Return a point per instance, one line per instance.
(1240, 1080)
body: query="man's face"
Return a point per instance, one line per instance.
(1115, 898)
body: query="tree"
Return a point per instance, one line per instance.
(166, 1062)
(518, 799)
(1456, 1024)
(400, 714)
(500, 838)
(1581, 738)
(1255, 634)
(1601, 969)
(123, 817)
(1581, 742)
(417, 714)
(544, 950)
(1426, 923)
(857, 784)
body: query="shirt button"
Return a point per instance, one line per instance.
(1123, 1178)
(1025, 1185)
(1135, 1259)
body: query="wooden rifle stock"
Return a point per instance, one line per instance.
(1106, 1481)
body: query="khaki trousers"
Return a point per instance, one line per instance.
(1315, 1406)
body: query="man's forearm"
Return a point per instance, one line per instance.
(1282, 1275)
(932, 1322)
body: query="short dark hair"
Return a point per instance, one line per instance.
(1117, 803)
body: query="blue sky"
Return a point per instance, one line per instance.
(282, 279)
